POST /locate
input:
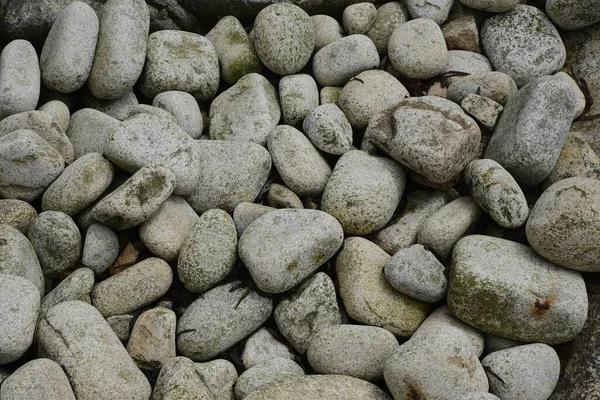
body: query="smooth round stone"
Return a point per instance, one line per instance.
(121, 48)
(517, 144)
(494, 85)
(68, 53)
(262, 347)
(137, 199)
(100, 249)
(245, 112)
(339, 61)
(284, 36)
(464, 62)
(178, 379)
(564, 226)
(301, 166)
(436, 10)
(147, 139)
(17, 257)
(571, 15)
(121, 325)
(506, 289)
(208, 253)
(184, 108)
(30, 165)
(308, 310)
(19, 309)
(417, 49)
(79, 185)
(363, 191)
(389, 17)
(219, 376)
(59, 111)
(76, 336)
(416, 272)
(495, 343)
(230, 173)
(577, 159)
(368, 297)
(523, 43)
(353, 350)
(132, 288)
(281, 248)
(147, 109)
(495, 6)
(236, 53)
(19, 78)
(497, 193)
(280, 196)
(327, 30)
(245, 213)
(57, 242)
(266, 373)
(446, 226)
(219, 319)
(42, 124)
(17, 214)
(320, 387)
(358, 18)
(118, 108)
(298, 96)
(369, 93)
(152, 339)
(88, 130)
(166, 230)
(328, 129)
(37, 377)
(523, 372)
(178, 60)
(77, 286)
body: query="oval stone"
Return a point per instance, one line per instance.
(19, 78)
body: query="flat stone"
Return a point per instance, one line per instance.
(577, 159)
(178, 379)
(263, 346)
(436, 10)
(88, 130)
(219, 319)
(76, 286)
(219, 376)
(59, 111)
(363, 191)
(280, 196)
(368, 297)
(17, 257)
(358, 18)
(245, 213)
(36, 380)
(389, 16)
(327, 30)
(264, 374)
(17, 214)
(506, 289)
(281, 248)
(19, 78)
(494, 85)
(298, 96)
(100, 248)
(571, 15)
(152, 339)
(184, 108)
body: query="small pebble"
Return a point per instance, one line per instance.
(298, 96)
(152, 339)
(100, 248)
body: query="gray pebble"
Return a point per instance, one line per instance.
(57, 242)
(327, 30)
(564, 225)
(330, 94)
(301, 166)
(284, 36)
(88, 130)
(132, 288)
(368, 297)
(363, 191)
(247, 111)
(298, 96)
(523, 43)
(580, 99)
(147, 109)
(483, 110)
(152, 340)
(178, 60)
(495, 6)
(59, 111)
(17, 257)
(19, 309)
(230, 173)
(184, 108)
(19, 78)
(38, 379)
(118, 108)
(328, 129)
(17, 214)
(571, 15)
(166, 230)
(358, 18)
(268, 372)
(219, 319)
(280, 249)
(464, 62)
(280, 196)
(219, 376)
(208, 253)
(577, 159)
(517, 144)
(437, 10)
(75, 335)
(76, 286)
(353, 350)
(494, 85)
(339, 61)
(506, 289)
(389, 17)
(68, 52)
(120, 324)
(446, 226)
(121, 48)
(178, 379)
(416, 272)
(245, 213)
(137, 199)
(236, 53)
(100, 249)
(263, 346)
(462, 33)
(523, 372)
(147, 139)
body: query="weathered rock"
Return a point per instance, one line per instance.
(328, 129)
(17, 214)
(263, 346)
(88, 130)
(327, 30)
(494, 85)
(263, 374)
(245, 213)
(280, 196)
(358, 18)
(19, 78)
(100, 248)
(437, 10)
(389, 16)
(577, 159)
(462, 34)
(483, 110)
(330, 94)
(77, 286)
(569, 14)
(184, 108)
(460, 62)
(298, 96)
(496, 6)
(118, 108)
(38, 379)
(219, 376)
(59, 111)
(152, 340)
(580, 99)
(178, 379)
(121, 325)
(17, 257)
